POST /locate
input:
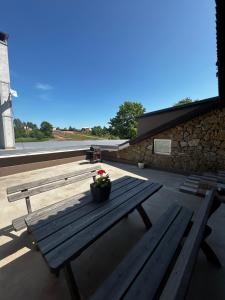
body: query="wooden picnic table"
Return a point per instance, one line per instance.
(67, 229)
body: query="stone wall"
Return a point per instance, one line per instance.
(197, 145)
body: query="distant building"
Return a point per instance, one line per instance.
(86, 129)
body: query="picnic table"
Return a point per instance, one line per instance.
(64, 232)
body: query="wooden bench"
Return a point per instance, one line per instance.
(26, 190)
(160, 265)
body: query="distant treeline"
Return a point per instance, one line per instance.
(31, 130)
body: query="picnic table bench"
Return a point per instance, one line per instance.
(27, 190)
(159, 266)
(61, 235)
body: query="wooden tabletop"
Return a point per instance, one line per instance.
(65, 229)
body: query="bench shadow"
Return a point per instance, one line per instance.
(16, 243)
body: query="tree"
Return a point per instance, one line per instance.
(183, 101)
(46, 128)
(19, 128)
(31, 125)
(37, 134)
(124, 124)
(97, 130)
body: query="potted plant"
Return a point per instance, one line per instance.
(101, 187)
(141, 161)
(141, 164)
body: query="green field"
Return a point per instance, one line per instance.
(30, 139)
(72, 137)
(82, 137)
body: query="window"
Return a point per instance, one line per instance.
(162, 146)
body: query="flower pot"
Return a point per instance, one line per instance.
(141, 165)
(100, 194)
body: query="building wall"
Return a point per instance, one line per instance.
(17, 164)
(197, 145)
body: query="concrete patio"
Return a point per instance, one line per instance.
(24, 274)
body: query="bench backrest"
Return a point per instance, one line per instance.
(26, 190)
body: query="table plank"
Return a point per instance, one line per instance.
(88, 215)
(50, 214)
(72, 247)
(92, 208)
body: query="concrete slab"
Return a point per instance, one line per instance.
(24, 274)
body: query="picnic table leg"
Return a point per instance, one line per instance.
(207, 250)
(74, 292)
(144, 216)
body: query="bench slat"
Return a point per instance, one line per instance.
(45, 181)
(76, 244)
(79, 221)
(45, 188)
(178, 282)
(136, 258)
(19, 223)
(146, 285)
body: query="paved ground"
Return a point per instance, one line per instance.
(24, 274)
(55, 146)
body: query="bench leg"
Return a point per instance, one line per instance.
(144, 217)
(207, 250)
(74, 292)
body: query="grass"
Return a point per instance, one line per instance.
(73, 137)
(30, 139)
(81, 137)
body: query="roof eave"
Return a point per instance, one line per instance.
(188, 116)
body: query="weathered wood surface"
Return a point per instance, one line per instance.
(45, 181)
(160, 265)
(19, 223)
(48, 187)
(25, 191)
(178, 282)
(140, 274)
(66, 221)
(64, 235)
(60, 209)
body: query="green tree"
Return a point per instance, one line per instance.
(31, 125)
(19, 128)
(37, 133)
(124, 124)
(183, 101)
(46, 128)
(97, 130)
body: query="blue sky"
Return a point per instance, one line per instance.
(73, 62)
